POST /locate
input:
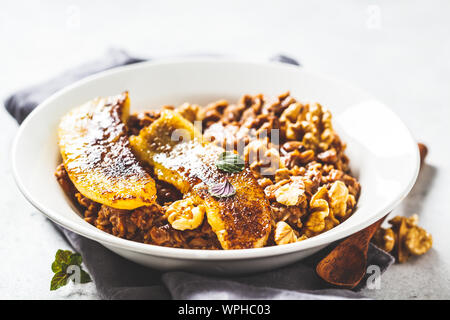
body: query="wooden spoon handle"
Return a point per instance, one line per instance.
(362, 238)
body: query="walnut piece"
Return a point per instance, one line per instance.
(338, 195)
(264, 182)
(291, 194)
(284, 234)
(184, 215)
(418, 241)
(320, 210)
(291, 113)
(282, 174)
(404, 239)
(263, 158)
(292, 214)
(189, 111)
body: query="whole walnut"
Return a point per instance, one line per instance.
(405, 238)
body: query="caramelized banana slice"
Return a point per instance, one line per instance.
(97, 155)
(175, 149)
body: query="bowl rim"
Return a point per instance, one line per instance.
(95, 234)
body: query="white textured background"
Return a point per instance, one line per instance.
(398, 50)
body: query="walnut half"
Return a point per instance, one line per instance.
(291, 194)
(418, 241)
(320, 210)
(284, 234)
(185, 215)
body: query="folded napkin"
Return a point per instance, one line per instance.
(118, 278)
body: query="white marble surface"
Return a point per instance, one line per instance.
(399, 51)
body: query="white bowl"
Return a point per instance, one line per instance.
(382, 153)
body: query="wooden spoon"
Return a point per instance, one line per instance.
(345, 265)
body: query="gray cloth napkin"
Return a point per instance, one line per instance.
(118, 278)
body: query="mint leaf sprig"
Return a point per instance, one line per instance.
(67, 266)
(230, 162)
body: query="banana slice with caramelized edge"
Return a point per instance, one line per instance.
(174, 148)
(97, 156)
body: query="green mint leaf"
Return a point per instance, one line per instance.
(56, 267)
(58, 280)
(63, 256)
(64, 259)
(230, 162)
(85, 277)
(75, 259)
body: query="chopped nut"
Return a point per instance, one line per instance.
(263, 158)
(183, 214)
(284, 234)
(291, 112)
(330, 222)
(264, 182)
(320, 210)
(328, 156)
(233, 113)
(189, 111)
(291, 214)
(352, 185)
(351, 203)
(296, 158)
(271, 189)
(291, 146)
(338, 196)
(212, 113)
(284, 100)
(297, 171)
(291, 194)
(282, 174)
